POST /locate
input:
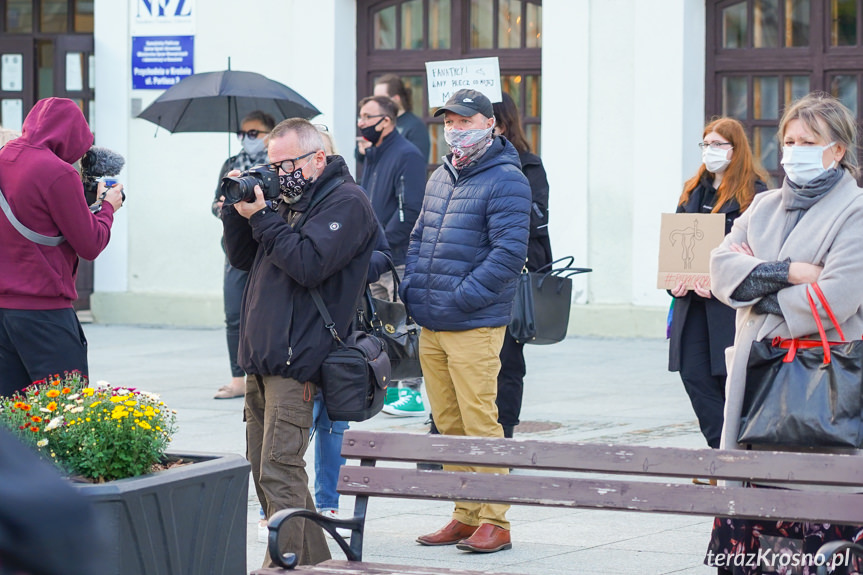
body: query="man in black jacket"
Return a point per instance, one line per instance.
(394, 179)
(282, 336)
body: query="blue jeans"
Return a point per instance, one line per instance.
(328, 458)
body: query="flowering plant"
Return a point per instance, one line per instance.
(97, 432)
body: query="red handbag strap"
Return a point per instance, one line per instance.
(821, 332)
(827, 308)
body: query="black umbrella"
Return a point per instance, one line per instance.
(217, 101)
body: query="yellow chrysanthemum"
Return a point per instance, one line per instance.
(51, 406)
(88, 391)
(52, 393)
(144, 425)
(130, 403)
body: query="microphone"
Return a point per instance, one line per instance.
(99, 162)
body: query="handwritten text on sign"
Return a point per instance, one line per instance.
(449, 76)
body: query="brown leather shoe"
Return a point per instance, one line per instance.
(452, 533)
(487, 538)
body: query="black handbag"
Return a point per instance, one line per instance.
(541, 316)
(390, 322)
(804, 393)
(355, 374)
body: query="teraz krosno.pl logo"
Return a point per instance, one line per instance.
(773, 559)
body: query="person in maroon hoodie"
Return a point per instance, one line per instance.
(39, 332)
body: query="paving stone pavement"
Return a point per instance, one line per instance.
(582, 389)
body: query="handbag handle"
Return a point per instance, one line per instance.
(550, 266)
(818, 323)
(559, 273)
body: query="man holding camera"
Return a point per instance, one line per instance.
(317, 230)
(44, 199)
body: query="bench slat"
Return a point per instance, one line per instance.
(678, 498)
(334, 567)
(831, 469)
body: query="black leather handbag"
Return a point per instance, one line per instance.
(541, 317)
(804, 393)
(390, 322)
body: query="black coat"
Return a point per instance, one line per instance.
(281, 331)
(539, 244)
(394, 177)
(720, 317)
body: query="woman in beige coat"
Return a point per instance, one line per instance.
(810, 229)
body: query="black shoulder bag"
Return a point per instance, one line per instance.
(355, 374)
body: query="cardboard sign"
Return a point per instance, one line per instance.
(447, 77)
(685, 242)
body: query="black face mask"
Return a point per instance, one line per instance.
(370, 134)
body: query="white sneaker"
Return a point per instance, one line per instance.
(263, 531)
(333, 514)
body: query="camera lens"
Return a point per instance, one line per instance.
(240, 189)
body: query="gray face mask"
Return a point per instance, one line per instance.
(253, 146)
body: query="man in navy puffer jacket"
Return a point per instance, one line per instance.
(466, 251)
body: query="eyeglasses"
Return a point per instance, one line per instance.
(250, 134)
(366, 117)
(714, 145)
(291, 163)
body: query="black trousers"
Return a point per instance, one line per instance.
(233, 286)
(37, 343)
(510, 382)
(706, 391)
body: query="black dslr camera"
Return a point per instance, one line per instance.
(242, 188)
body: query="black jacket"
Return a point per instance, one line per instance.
(720, 317)
(539, 244)
(394, 178)
(414, 131)
(281, 330)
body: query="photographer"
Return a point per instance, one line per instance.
(283, 340)
(39, 332)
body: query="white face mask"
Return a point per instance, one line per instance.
(715, 159)
(803, 164)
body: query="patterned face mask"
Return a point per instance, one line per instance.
(294, 184)
(466, 145)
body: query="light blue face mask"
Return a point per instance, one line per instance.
(253, 146)
(802, 164)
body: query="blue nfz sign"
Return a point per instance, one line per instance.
(159, 62)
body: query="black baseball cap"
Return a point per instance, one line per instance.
(467, 102)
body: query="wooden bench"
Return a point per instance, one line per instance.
(642, 485)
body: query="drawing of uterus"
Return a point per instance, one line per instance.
(688, 238)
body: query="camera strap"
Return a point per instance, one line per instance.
(34, 237)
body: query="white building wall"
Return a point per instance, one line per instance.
(622, 108)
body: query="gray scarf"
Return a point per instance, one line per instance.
(244, 161)
(798, 199)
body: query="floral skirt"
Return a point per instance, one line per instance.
(756, 546)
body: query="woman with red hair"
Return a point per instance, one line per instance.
(701, 326)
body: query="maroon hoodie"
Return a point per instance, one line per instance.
(45, 193)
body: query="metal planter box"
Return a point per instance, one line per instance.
(188, 520)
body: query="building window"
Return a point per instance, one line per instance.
(764, 54)
(401, 36)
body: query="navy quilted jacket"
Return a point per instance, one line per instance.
(469, 243)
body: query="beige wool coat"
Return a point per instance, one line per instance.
(829, 234)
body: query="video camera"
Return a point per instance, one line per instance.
(242, 188)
